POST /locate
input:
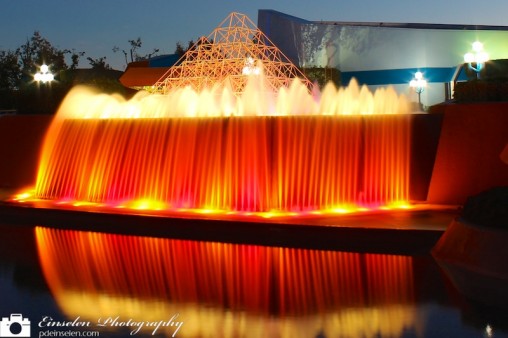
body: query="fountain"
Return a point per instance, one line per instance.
(247, 139)
(219, 284)
(238, 162)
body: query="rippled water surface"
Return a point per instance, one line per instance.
(111, 285)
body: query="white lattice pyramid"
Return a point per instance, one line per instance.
(235, 49)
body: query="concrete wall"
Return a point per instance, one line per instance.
(468, 157)
(21, 138)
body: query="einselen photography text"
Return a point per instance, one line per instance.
(116, 322)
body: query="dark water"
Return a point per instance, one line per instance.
(121, 286)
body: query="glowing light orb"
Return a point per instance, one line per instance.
(44, 75)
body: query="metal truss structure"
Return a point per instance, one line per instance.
(233, 51)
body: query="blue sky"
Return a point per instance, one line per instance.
(95, 26)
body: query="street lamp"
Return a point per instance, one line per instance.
(478, 57)
(44, 75)
(419, 84)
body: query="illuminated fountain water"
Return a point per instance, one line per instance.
(247, 290)
(263, 151)
(228, 129)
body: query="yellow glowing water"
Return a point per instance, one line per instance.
(256, 100)
(288, 151)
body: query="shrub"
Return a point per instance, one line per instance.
(322, 75)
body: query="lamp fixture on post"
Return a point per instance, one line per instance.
(418, 84)
(44, 75)
(477, 57)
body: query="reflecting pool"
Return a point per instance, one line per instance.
(112, 285)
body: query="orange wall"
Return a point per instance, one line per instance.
(468, 155)
(20, 140)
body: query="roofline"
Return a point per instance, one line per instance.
(414, 25)
(393, 24)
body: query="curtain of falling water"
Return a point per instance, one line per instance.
(289, 163)
(316, 162)
(385, 175)
(247, 158)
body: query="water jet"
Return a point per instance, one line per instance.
(230, 142)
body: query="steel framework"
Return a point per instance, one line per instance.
(234, 50)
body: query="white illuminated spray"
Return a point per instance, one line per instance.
(83, 103)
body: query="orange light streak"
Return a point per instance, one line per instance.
(184, 150)
(243, 164)
(255, 279)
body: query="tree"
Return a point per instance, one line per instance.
(19, 91)
(153, 53)
(116, 49)
(10, 71)
(191, 45)
(135, 45)
(180, 51)
(10, 77)
(17, 68)
(99, 63)
(75, 58)
(37, 51)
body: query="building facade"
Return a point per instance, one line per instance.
(381, 54)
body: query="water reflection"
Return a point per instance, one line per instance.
(429, 307)
(229, 290)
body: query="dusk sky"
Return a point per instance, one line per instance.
(95, 26)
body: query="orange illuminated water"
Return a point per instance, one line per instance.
(360, 295)
(293, 151)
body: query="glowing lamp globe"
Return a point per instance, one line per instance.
(44, 75)
(477, 46)
(469, 58)
(482, 57)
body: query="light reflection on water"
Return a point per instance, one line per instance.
(230, 290)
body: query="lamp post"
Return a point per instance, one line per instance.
(477, 57)
(44, 97)
(418, 84)
(44, 75)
